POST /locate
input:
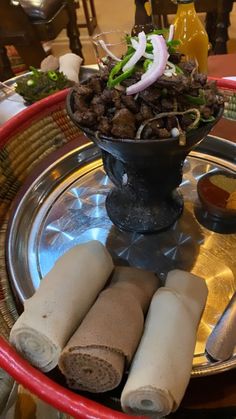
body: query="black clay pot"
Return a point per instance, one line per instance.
(145, 174)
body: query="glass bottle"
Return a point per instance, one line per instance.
(191, 33)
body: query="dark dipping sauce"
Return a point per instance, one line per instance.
(212, 194)
(215, 191)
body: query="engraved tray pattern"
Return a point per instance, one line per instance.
(64, 205)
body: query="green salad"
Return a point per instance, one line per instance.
(38, 84)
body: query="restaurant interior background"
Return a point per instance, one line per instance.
(111, 14)
(119, 14)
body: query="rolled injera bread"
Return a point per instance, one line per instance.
(162, 365)
(60, 303)
(136, 281)
(190, 287)
(95, 357)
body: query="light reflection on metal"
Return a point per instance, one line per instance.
(72, 210)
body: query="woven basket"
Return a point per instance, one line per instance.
(228, 89)
(230, 104)
(25, 141)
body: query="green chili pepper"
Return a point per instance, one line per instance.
(196, 100)
(121, 77)
(146, 64)
(149, 47)
(130, 50)
(159, 32)
(35, 72)
(30, 82)
(112, 80)
(52, 75)
(171, 45)
(210, 119)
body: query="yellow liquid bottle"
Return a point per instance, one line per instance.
(191, 33)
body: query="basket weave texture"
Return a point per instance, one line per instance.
(25, 141)
(230, 104)
(228, 89)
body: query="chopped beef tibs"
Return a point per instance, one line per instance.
(185, 98)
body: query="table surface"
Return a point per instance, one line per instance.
(217, 392)
(223, 66)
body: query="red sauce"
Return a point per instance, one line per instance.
(212, 194)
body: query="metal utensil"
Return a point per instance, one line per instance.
(7, 92)
(222, 340)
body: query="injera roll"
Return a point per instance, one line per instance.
(96, 355)
(136, 281)
(190, 288)
(63, 298)
(162, 365)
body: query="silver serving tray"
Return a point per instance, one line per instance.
(62, 205)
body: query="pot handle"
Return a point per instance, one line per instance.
(51, 392)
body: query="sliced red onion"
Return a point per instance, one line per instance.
(103, 45)
(135, 46)
(142, 42)
(171, 33)
(156, 69)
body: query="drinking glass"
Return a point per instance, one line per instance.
(112, 41)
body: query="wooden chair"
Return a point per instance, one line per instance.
(90, 16)
(27, 27)
(217, 19)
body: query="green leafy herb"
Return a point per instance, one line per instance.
(38, 84)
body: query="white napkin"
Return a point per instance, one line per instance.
(49, 63)
(69, 64)
(162, 365)
(63, 298)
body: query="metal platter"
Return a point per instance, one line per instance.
(63, 205)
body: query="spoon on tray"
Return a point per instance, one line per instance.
(222, 340)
